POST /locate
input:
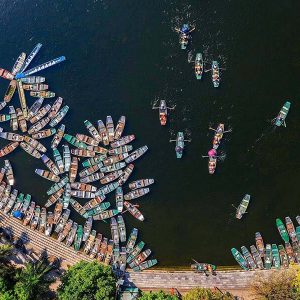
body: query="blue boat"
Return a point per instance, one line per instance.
(31, 56)
(41, 67)
(179, 144)
(184, 35)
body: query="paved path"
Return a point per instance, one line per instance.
(146, 280)
(39, 241)
(184, 280)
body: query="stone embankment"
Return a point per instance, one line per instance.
(146, 280)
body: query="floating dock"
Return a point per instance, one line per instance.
(41, 67)
(31, 56)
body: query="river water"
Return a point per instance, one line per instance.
(124, 55)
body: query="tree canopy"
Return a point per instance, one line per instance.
(157, 296)
(87, 281)
(207, 294)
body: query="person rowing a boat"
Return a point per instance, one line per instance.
(185, 29)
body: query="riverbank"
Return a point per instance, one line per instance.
(235, 281)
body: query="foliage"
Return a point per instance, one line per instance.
(5, 251)
(207, 294)
(87, 281)
(33, 280)
(157, 296)
(277, 285)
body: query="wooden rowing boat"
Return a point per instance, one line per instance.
(21, 120)
(199, 66)
(47, 175)
(30, 150)
(87, 139)
(110, 128)
(41, 113)
(215, 73)
(8, 148)
(44, 133)
(58, 136)
(54, 197)
(50, 164)
(242, 208)
(73, 169)
(134, 211)
(136, 193)
(103, 133)
(10, 91)
(123, 141)
(35, 144)
(120, 128)
(67, 157)
(55, 107)
(59, 116)
(92, 130)
(43, 94)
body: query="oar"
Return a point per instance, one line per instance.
(172, 141)
(155, 107)
(227, 131)
(187, 141)
(212, 129)
(171, 107)
(234, 206)
(284, 124)
(195, 261)
(205, 71)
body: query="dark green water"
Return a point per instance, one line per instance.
(122, 55)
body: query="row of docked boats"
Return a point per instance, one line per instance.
(269, 256)
(81, 238)
(39, 117)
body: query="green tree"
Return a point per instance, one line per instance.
(157, 296)
(207, 294)
(276, 285)
(33, 280)
(87, 281)
(7, 272)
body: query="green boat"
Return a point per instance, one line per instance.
(57, 186)
(131, 240)
(25, 203)
(198, 66)
(97, 209)
(298, 233)
(282, 230)
(268, 257)
(145, 265)
(18, 203)
(276, 257)
(203, 267)
(93, 161)
(248, 257)
(284, 261)
(106, 214)
(280, 119)
(58, 160)
(240, 259)
(241, 210)
(74, 141)
(78, 238)
(136, 250)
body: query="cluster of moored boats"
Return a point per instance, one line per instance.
(109, 165)
(269, 256)
(82, 238)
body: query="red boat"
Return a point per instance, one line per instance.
(163, 112)
(5, 74)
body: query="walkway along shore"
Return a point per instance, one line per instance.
(146, 280)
